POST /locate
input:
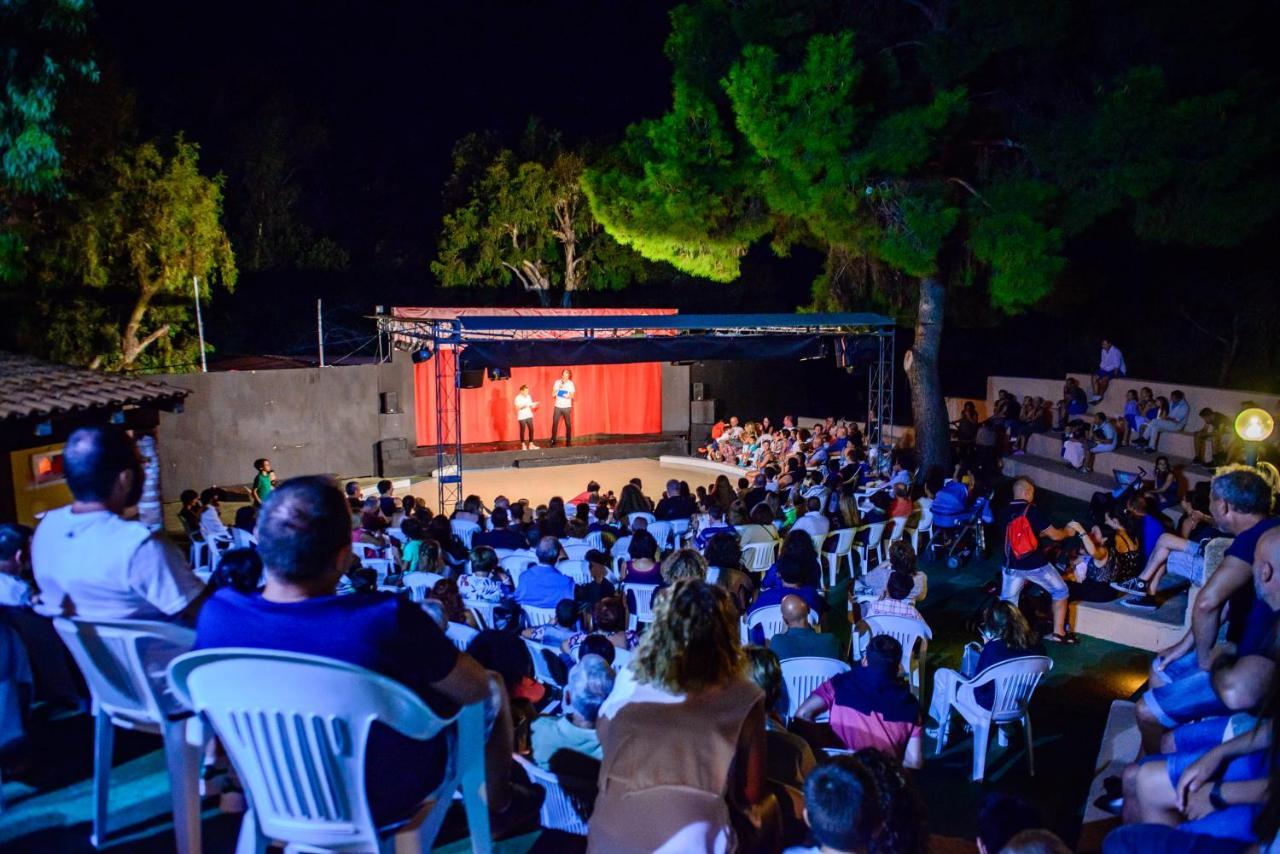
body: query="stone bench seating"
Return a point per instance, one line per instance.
(1049, 446)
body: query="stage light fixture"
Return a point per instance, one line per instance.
(422, 355)
(499, 373)
(1254, 425)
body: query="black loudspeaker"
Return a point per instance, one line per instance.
(699, 391)
(390, 402)
(472, 379)
(702, 411)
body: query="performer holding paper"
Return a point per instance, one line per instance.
(525, 404)
(563, 411)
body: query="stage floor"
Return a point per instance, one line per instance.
(541, 483)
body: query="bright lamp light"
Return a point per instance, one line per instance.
(1254, 425)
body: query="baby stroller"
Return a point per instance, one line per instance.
(958, 521)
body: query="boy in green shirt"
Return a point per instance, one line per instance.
(263, 482)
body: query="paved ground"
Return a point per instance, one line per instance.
(1069, 713)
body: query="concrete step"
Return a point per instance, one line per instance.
(1055, 476)
(1049, 446)
(1149, 630)
(1120, 743)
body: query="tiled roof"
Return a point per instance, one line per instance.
(32, 388)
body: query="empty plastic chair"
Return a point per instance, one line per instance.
(803, 675)
(123, 662)
(924, 525)
(1015, 681)
(639, 603)
(296, 727)
(864, 546)
(843, 550)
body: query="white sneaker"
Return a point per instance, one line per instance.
(533, 447)
(524, 446)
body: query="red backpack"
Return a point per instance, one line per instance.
(1020, 540)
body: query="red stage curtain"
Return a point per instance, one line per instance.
(611, 399)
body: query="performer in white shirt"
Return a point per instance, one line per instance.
(564, 393)
(525, 404)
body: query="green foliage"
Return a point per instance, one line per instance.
(119, 280)
(41, 48)
(524, 217)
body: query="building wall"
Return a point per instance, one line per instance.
(306, 420)
(675, 398)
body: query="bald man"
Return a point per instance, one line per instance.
(800, 638)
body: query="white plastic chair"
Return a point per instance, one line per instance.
(595, 540)
(803, 675)
(123, 661)
(875, 536)
(296, 728)
(242, 539)
(640, 514)
(1015, 681)
(516, 564)
(661, 532)
(465, 531)
(560, 810)
(396, 534)
(481, 610)
(541, 670)
(461, 634)
(907, 632)
(679, 531)
(758, 557)
(843, 549)
(643, 612)
(769, 618)
(538, 616)
(420, 584)
(621, 658)
(576, 551)
(620, 546)
(923, 526)
(895, 534)
(818, 540)
(578, 570)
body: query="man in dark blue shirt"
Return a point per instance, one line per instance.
(1034, 567)
(501, 537)
(673, 505)
(305, 547)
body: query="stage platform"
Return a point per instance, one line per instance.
(588, 449)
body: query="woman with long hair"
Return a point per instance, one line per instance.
(682, 734)
(630, 500)
(1006, 635)
(557, 520)
(723, 492)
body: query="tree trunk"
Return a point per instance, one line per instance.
(131, 346)
(928, 407)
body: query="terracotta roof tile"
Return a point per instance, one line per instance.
(33, 388)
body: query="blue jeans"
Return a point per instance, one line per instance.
(1188, 696)
(1145, 838)
(1013, 580)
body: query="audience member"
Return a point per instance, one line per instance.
(1172, 420)
(1002, 817)
(1213, 438)
(500, 535)
(814, 522)
(387, 504)
(841, 807)
(674, 505)
(1026, 529)
(902, 558)
(15, 566)
(642, 567)
(354, 500)
(590, 682)
(90, 561)
(1035, 841)
(487, 581)
(683, 733)
(564, 627)
(608, 619)
(903, 824)
(1110, 366)
(800, 639)
(304, 544)
(212, 528)
(189, 513)
(715, 524)
(789, 758)
(872, 706)
(542, 585)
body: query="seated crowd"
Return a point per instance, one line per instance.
(628, 646)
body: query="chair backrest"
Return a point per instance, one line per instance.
(906, 630)
(844, 540)
(679, 528)
(464, 531)
(578, 570)
(803, 675)
(926, 514)
(541, 669)
(538, 616)
(397, 534)
(296, 728)
(560, 809)
(643, 593)
(622, 657)
(420, 584)
(661, 532)
(713, 574)
(576, 551)
(757, 557)
(875, 533)
(818, 540)
(769, 618)
(242, 539)
(1015, 681)
(620, 546)
(640, 514)
(595, 540)
(461, 635)
(483, 611)
(899, 525)
(369, 551)
(123, 662)
(516, 564)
